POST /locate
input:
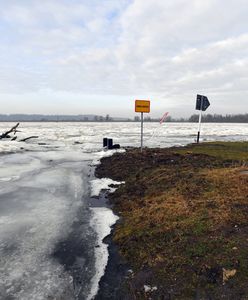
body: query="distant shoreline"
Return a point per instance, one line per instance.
(206, 118)
(117, 121)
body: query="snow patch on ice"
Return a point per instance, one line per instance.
(102, 220)
(108, 153)
(103, 184)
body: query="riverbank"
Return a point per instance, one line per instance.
(184, 220)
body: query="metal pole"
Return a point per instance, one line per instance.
(200, 119)
(141, 142)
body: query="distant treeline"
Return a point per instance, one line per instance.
(241, 118)
(52, 118)
(207, 118)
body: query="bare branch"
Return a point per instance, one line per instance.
(6, 134)
(30, 137)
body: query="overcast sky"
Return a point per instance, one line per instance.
(98, 56)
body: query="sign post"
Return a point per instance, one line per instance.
(142, 106)
(202, 104)
(142, 133)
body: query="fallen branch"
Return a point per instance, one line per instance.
(6, 134)
(30, 137)
(13, 138)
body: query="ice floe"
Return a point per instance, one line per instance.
(105, 153)
(103, 184)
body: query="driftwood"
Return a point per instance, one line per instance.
(30, 137)
(14, 130)
(6, 134)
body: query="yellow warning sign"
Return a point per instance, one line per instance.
(142, 106)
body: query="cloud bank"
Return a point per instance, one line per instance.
(101, 55)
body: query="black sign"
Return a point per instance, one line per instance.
(202, 103)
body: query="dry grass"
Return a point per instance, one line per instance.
(184, 219)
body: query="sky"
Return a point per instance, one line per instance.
(98, 56)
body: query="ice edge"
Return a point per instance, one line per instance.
(102, 220)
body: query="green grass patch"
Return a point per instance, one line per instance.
(224, 150)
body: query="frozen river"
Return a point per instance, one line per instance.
(50, 235)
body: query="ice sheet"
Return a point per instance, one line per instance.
(37, 209)
(27, 240)
(89, 136)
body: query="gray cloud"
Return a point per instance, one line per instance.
(167, 50)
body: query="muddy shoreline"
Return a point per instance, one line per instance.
(112, 284)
